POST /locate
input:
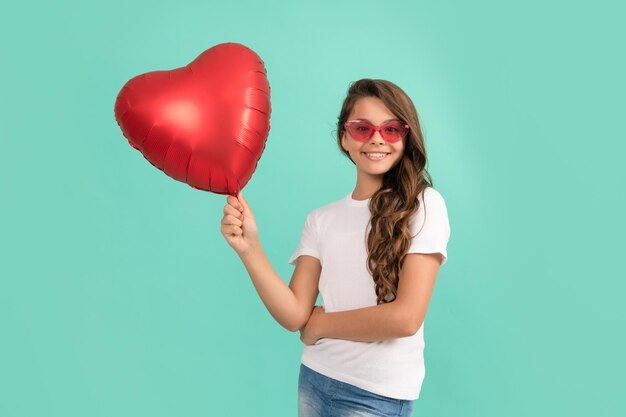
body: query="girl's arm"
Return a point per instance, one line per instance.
(280, 301)
(366, 324)
(290, 305)
(400, 318)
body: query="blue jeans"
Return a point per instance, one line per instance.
(321, 396)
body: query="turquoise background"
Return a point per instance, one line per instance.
(120, 297)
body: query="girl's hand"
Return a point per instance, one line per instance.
(309, 334)
(238, 225)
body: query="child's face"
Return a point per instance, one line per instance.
(374, 110)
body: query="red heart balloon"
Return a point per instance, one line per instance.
(204, 124)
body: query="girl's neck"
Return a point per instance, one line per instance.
(366, 186)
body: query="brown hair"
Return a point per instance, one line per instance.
(394, 203)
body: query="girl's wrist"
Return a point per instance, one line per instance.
(251, 252)
(320, 323)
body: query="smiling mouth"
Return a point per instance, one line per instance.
(375, 156)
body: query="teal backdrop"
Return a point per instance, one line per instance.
(120, 297)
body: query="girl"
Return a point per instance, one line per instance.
(373, 255)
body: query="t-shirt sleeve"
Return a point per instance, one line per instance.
(308, 244)
(430, 227)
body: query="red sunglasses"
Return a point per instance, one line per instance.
(362, 130)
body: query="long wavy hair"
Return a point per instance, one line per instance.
(393, 204)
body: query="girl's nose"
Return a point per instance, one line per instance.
(377, 138)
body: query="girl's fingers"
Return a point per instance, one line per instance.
(230, 219)
(232, 230)
(244, 203)
(228, 209)
(234, 201)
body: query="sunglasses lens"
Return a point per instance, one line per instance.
(360, 130)
(394, 131)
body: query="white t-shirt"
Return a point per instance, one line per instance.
(335, 234)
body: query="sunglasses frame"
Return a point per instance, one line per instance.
(376, 128)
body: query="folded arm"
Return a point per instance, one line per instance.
(400, 318)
